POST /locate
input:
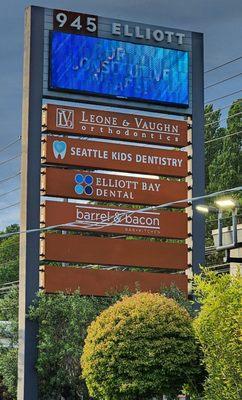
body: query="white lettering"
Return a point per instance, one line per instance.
(116, 28)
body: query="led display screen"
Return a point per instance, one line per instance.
(119, 69)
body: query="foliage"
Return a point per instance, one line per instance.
(8, 352)
(218, 330)
(63, 322)
(9, 256)
(176, 294)
(212, 131)
(140, 347)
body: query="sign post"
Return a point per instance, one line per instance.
(30, 200)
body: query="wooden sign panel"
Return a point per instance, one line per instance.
(103, 283)
(108, 251)
(104, 219)
(114, 125)
(79, 184)
(115, 157)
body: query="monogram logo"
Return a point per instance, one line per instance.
(65, 118)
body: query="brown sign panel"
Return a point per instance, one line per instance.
(102, 283)
(104, 219)
(79, 184)
(108, 251)
(116, 157)
(72, 22)
(114, 125)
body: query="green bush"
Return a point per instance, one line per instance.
(218, 328)
(141, 347)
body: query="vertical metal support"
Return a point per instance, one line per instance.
(220, 228)
(198, 172)
(30, 199)
(234, 223)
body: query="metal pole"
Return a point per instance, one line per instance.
(30, 199)
(234, 220)
(220, 228)
(198, 174)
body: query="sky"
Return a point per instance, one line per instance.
(219, 20)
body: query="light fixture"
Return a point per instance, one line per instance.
(225, 203)
(202, 208)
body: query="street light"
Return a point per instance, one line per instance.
(223, 204)
(204, 209)
(226, 203)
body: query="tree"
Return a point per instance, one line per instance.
(218, 330)
(9, 351)
(212, 131)
(63, 321)
(224, 170)
(9, 256)
(142, 346)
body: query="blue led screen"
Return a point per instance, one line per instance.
(119, 69)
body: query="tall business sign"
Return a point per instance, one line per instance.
(112, 128)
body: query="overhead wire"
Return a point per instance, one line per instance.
(222, 65)
(223, 119)
(10, 144)
(10, 177)
(218, 109)
(222, 137)
(223, 97)
(10, 191)
(11, 205)
(223, 80)
(9, 159)
(122, 215)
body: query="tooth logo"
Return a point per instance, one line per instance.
(59, 149)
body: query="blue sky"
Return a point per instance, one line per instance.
(219, 20)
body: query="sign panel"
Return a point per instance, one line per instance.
(107, 67)
(87, 185)
(114, 125)
(104, 219)
(112, 251)
(72, 22)
(115, 157)
(103, 283)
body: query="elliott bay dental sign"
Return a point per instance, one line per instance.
(114, 125)
(116, 157)
(88, 185)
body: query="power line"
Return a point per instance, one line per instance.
(219, 109)
(222, 65)
(121, 215)
(10, 177)
(223, 97)
(9, 159)
(10, 191)
(193, 199)
(223, 80)
(223, 119)
(10, 144)
(222, 137)
(11, 205)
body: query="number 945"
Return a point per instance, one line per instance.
(75, 22)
